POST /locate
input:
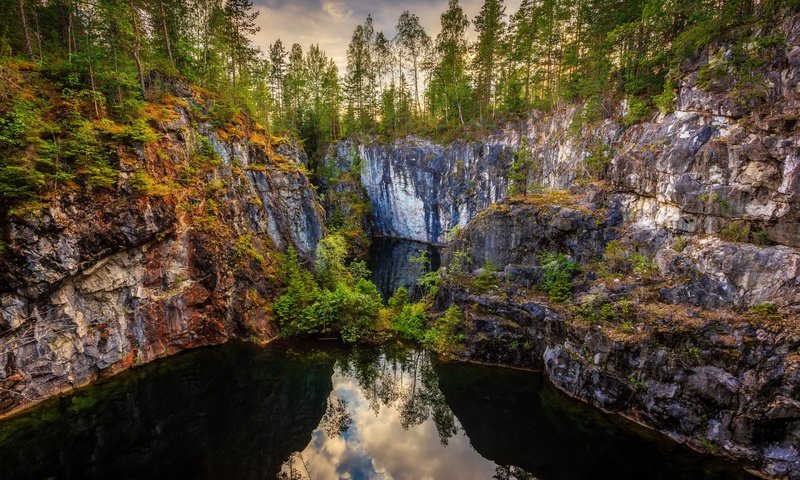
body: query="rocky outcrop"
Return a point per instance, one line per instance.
(516, 231)
(720, 384)
(420, 190)
(725, 160)
(97, 282)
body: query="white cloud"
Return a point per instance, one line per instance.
(330, 23)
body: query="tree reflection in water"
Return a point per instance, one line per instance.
(385, 404)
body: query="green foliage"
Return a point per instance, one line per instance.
(766, 310)
(410, 321)
(637, 110)
(520, 169)
(487, 277)
(665, 101)
(637, 383)
(444, 334)
(330, 257)
(744, 231)
(600, 311)
(557, 273)
(740, 68)
(599, 158)
(459, 263)
(619, 259)
(642, 266)
(340, 299)
(430, 283)
(398, 299)
(246, 251)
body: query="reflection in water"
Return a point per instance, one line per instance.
(397, 414)
(301, 411)
(223, 412)
(401, 425)
(392, 264)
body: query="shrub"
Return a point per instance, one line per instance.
(638, 109)
(19, 183)
(642, 266)
(340, 299)
(520, 168)
(765, 310)
(665, 101)
(557, 273)
(398, 299)
(443, 334)
(487, 278)
(459, 263)
(410, 321)
(598, 159)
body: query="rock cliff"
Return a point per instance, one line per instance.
(98, 281)
(685, 229)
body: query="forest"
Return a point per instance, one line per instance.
(99, 57)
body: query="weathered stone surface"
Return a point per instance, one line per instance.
(515, 232)
(720, 385)
(94, 285)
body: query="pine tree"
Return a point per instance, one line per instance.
(490, 26)
(413, 39)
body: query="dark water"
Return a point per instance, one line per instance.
(395, 263)
(323, 411)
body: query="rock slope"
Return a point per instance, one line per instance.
(97, 282)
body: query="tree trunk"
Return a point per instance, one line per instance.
(166, 32)
(137, 46)
(25, 31)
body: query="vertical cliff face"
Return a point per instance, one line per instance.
(727, 157)
(421, 190)
(98, 281)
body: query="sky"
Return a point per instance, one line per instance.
(330, 23)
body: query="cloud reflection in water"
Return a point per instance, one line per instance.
(387, 419)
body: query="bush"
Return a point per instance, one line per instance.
(340, 299)
(765, 310)
(19, 183)
(638, 110)
(487, 278)
(665, 101)
(557, 273)
(410, 321)
(443, 335)
(598, 159)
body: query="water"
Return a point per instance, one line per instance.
(324, 411)
(397, 263)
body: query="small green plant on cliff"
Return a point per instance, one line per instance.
(487, 277)
(444, 334)
(665, 101)
(766, 310)
(637, 110)
(598, 159)
(246, 251)
(642, 266)
(520, 169)
(637, 383)
(692, 352)
(557, 273)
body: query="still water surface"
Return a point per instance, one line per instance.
(323, 411)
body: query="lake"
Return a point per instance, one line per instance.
(321, 410)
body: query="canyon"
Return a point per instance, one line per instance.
(688, 325)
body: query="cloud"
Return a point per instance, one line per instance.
(377, 446)
(330, 23)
